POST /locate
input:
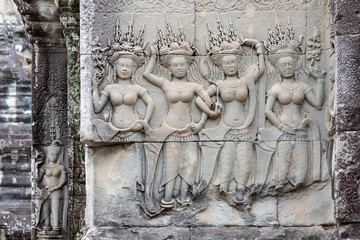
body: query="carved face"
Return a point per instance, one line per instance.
(286, 67)
(229, 64)
(124, 68)
(178, 66)
(53, 154)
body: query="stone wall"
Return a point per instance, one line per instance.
(250, 158)
(347, 135)
(15, 125)
(130, 150)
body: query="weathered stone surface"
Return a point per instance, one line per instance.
(346, 185)
(348, 83)
(346, 17)
(349, 231)
(15, 126)
(140, 233)
(265, 233)
(309, 207)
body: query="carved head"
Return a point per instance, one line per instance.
(229, 64)
(174, 61)
(124, 68)
(54, 150)
(286, 67)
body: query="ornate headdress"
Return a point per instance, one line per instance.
(282, 42)
(127, 44)
(172, 44)
(224, 43)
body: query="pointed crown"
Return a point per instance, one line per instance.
(173, 44)
(225, 42)
(282, 41)
(127, 44)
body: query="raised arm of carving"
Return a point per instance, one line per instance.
(316, 100)
(40, 174)
(99, 102)
(148, 75)
(256, 72)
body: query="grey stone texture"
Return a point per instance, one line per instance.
(15, 126)
(348, 77)
(346, 17)
(346, 167)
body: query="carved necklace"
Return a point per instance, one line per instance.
(233, 84)
(122, 89)
(290, 87)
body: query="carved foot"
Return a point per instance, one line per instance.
(165, 204)
(186, 201)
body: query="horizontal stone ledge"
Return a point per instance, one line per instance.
(205, 233)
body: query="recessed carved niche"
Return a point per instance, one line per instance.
(189, 117)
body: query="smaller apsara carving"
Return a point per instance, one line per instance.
(126, 55)
(51, 192)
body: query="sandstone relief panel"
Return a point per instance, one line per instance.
(51, 194)
(177, 135)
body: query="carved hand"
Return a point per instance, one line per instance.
(51, 189)
(185, 129)
(196, 127)
(316, 73)
(218, 108)
(136, 127)
(242, 127)
(289, 130)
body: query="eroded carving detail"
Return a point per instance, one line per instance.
(171, 6)
(216, 5)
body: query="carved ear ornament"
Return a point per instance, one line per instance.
(173, 44)
(225, 42)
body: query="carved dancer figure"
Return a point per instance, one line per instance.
(293, 150)
(126, 56)
(180, 150)
(52, 176)
(235, 158)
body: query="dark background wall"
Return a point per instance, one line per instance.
(15, 126)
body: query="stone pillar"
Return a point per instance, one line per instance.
(71, 21)
(49, 117)
(347, 137)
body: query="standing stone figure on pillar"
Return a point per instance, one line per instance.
(235, 157)
(178, 131)
(298, 151)
(126, 56)
(52, 176)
